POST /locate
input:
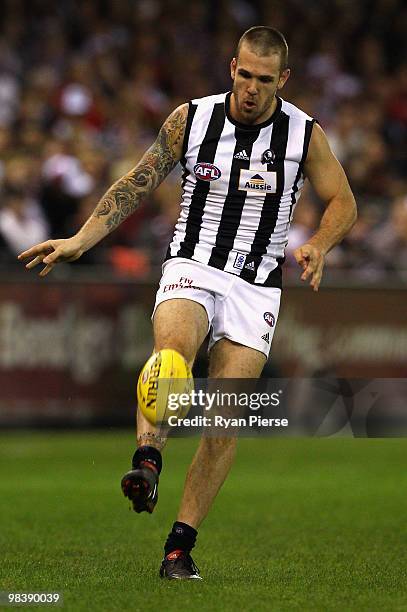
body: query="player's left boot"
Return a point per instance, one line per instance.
(140, 485)
(179, 565)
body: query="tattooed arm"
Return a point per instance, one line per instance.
(121, 200)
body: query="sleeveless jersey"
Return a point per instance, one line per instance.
(241, 184)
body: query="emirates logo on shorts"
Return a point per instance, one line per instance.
(183, 283)
(269, 318)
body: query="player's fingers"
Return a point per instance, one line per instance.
(317, 276)
(299, 256)
(53, 257)
(314, 268)
(47, 269)
(43, 247)
(34, 262)
(315, 281)
(308, 270)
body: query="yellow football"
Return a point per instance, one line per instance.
(165, 377)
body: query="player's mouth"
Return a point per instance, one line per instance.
(249, 104)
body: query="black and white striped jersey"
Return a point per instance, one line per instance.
(241, 184)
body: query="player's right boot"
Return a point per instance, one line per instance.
(140, 485)
(179, 565)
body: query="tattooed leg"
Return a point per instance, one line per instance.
(151, 438)
(140, 484)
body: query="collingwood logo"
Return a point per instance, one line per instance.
(268, 156)
(264, 182)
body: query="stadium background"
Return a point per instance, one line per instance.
(84, 87)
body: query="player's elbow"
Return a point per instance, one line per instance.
(353, 212)
(349, 208)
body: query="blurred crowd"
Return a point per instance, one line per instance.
(86, 84)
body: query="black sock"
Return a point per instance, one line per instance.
(149, 454)
(182, 537)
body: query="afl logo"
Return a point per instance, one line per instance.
(269, 318)
(207, 172)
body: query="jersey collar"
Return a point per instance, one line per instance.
(256, 126)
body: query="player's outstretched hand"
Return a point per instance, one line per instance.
(52, 252)
(312, 260)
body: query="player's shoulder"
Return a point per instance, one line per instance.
(209, 101)
(294, 112)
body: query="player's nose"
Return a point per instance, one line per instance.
(252, 88)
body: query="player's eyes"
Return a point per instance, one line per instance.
(247, 75)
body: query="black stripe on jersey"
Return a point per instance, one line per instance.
(275, 278)
(307, 137)
(190, 117)
(207, 152)
(271, 204)
(234, 201)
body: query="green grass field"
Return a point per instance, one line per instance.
(299, 525)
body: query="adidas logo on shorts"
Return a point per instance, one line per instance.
(266, 337)
(242, 155)
(250, 266)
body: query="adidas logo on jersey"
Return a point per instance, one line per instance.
(242, 155)
(266, 337)
(250, 266)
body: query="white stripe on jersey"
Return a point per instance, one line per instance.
(199, 125)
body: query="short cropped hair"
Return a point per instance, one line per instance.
(264, 41)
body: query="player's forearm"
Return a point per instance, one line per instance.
(119, 202)
(338, 218)
(123, 198)
(125, 195)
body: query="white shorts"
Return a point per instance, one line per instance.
(236, 310)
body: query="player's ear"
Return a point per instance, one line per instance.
(283, 78)
(233, 65)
